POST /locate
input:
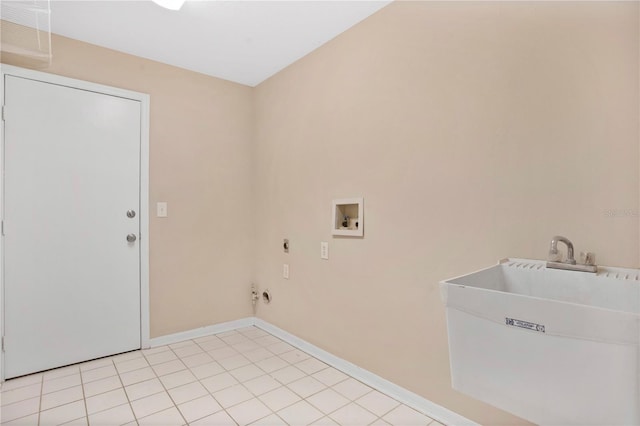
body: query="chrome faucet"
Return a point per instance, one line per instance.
(555, 257)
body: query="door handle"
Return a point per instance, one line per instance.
(131, 238)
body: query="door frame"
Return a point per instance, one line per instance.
(144, 183)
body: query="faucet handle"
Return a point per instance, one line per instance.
(588, 258)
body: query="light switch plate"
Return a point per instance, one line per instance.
(161, 209)
(285, 271)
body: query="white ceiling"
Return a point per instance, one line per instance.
(242, 41)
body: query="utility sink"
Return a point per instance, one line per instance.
(552, 346)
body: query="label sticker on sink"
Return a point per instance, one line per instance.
(524, 324)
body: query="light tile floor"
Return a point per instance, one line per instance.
(242, 377)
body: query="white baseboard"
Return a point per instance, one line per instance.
(415, 401)
(201, 332)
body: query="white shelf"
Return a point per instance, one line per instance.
(348, 217)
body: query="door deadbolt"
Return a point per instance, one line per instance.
(131, 214)
(131, 238)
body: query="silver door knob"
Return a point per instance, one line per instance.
(131, 238)
(131, 214)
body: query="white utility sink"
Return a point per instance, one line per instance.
(552, 346)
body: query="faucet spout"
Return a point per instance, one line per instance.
(553, 250)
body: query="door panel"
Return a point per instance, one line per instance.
(72, 170)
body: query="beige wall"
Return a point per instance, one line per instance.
(200, 163)
(474, 131)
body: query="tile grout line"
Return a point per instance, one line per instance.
(226, 371)
(281, 384)
(40, 400)
(350, 401)
(126, 395)
(207, 389)
(255, 396)
(40, 410)
(241, 383)
(113, 364)
(84, 398)
(165, 388)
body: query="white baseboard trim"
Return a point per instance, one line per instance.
(201, 332)
(415, 401)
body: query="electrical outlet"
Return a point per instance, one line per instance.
(324, 250)
(285, 271)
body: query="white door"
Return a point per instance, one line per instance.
(72, 172)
